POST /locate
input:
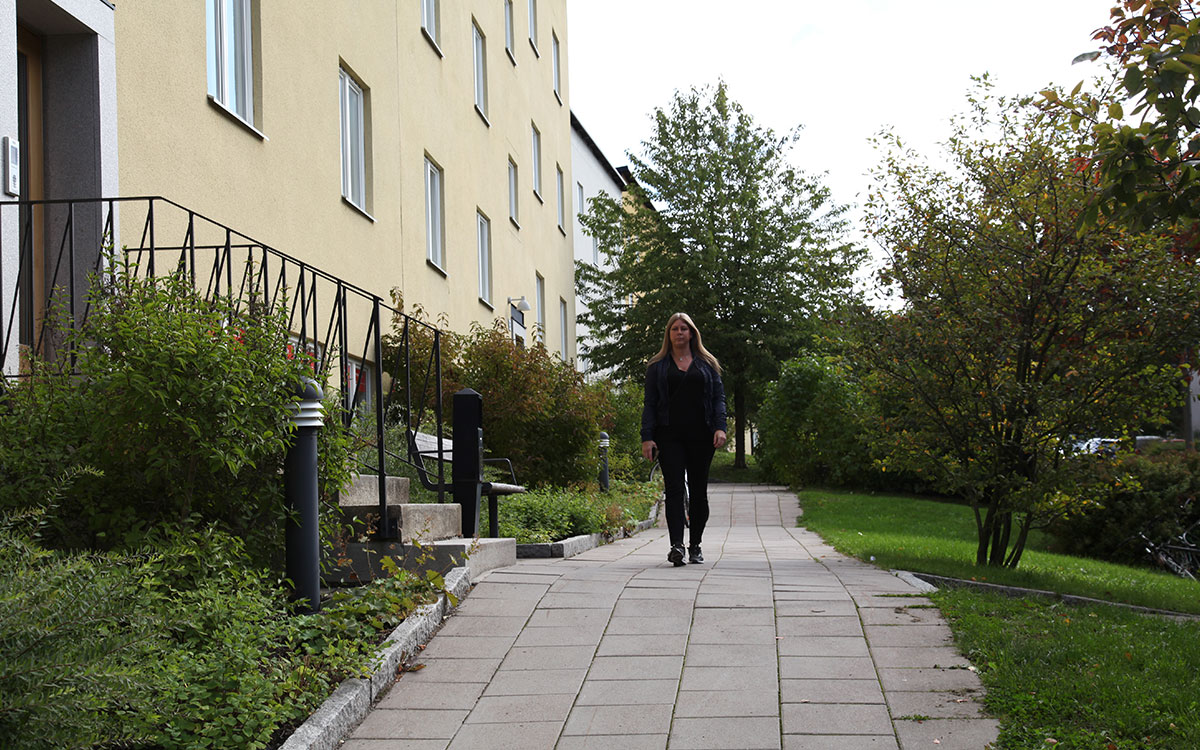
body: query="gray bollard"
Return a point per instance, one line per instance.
(300, 494)
(604, 462)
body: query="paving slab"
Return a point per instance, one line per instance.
(775, 642)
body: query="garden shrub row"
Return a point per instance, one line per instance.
(553, 514)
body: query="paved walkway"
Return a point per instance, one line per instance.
(776, 641)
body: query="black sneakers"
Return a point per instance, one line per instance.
(676, 555)
(694, 555)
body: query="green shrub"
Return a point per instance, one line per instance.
(623, 422)
(77, 644)
(809, 427)
(537, 410)
(1152, 494)
(550, 515)
(180, 402)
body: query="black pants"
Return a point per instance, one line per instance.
(675, 455)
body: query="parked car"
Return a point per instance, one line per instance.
(1103, 446)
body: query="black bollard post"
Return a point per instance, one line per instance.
(604, 462)
(468, 457)
(300, 494)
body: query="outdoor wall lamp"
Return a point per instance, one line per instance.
(522, 303)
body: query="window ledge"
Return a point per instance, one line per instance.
(432, 42)
(511, 56)
(559, 98)
(538, 195)
(487, 304)
(358, 208)
(564, 231)
(515, 223)
(237, 118)
(535, 49)
(437, 268)
(482, 116)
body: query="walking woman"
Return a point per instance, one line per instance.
(683, 421)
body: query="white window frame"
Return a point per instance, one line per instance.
(352, 98)
(514, 195)
(510, 31)
(579, 198)
(536, 148)
(562, 326)
(479, 45)
(431, 22)
(483, 242)
(557, 64)
(533, 27)
(561, 192)
(541, 308)
(435, 215)
(231, 56)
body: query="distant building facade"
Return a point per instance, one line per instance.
(594, 175)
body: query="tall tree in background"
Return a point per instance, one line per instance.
(1018, 329)
(719, 225)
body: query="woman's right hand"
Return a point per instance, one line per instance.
(649, 448)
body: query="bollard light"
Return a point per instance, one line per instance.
(604, 462)
(300, 493)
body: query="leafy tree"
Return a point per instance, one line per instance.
(719, 225)
(809, 430)
(1145, 122)
(1017, 330)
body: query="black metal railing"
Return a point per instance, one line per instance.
(59, 248)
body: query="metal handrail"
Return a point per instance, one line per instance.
(61, 245)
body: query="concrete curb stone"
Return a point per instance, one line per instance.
(351, 702)
(934, 581)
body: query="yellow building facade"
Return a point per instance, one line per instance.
(421, 145)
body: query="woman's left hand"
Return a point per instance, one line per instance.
(719, 439)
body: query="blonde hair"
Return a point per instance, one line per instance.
(696, 344)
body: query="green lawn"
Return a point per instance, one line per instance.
(1062, 676)
(930, 536)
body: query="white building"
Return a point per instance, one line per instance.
(594, 175)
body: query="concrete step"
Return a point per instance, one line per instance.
(415, 521)
(358, 562)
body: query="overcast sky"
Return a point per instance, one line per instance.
(843, 70)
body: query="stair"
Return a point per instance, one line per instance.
(429, 537)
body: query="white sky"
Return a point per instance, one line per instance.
(843, 70)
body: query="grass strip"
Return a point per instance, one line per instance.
(932, 536)
(1080, 676)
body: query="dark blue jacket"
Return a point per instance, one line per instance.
(656, 407)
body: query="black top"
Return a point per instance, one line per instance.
(656, 410)
(686, 395)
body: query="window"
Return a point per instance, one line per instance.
(509, 32)
(533, 26)
(537, 163)
(435, 215)
(354, 188)
(431, 21)
(562, 197)
(557, 64)
(231, 56)
(513, 205)
(562, 327)
(578, 198)
(541, 308)
(480, 45)
(484, 242)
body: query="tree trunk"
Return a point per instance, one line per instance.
(1000, 535)
(739, 428)
(1014, 557)
(984, 531)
